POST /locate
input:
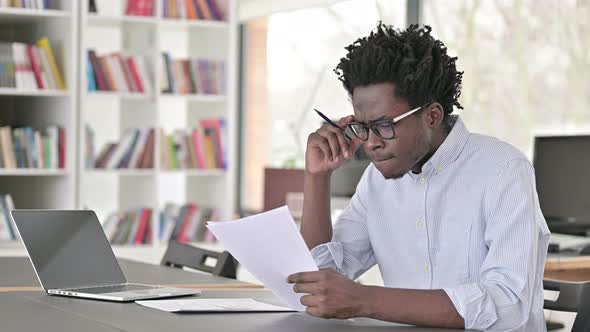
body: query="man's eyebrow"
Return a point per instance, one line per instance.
(383, 117)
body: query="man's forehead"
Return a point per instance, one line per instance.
(376, 102)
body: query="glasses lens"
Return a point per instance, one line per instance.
(360, 130)
(384, 129)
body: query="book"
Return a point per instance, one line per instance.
(214, 9)
(46, 68)
(147, 156)
(99, 75)
(61, 147)
(24, 76)
(108, 73)
(45, 47)
(90, 76)
(199, 148)
(7, 226)
(92, 6)
(36, 66)
(139, 7)
(134, 71)
(204, 9)
(213, 128)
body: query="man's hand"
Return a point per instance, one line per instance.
(330, 294)
(327, 148)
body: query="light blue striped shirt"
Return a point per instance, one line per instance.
(469, 224)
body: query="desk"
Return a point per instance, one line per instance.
(16, 273)
(36, 311)
(567, 267)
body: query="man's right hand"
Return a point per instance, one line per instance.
(327, 148)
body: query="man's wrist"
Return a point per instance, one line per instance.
(318, 179)
(366, 301)
(319, 175)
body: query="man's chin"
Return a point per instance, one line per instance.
(391, 174)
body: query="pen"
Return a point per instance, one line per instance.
(331, 123)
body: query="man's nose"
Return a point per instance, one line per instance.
(374, 142)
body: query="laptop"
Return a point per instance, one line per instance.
(72, 257)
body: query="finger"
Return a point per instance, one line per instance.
(308, 288)
(322, 143)
(341, 136)
(344, 146)
(332, 141)
(343, 122)
(303, 277)
(315, 311)
(311, 300)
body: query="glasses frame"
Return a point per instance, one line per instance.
(392, 122)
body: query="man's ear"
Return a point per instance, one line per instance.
(434, 115)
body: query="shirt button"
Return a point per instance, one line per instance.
(420, 223)
(426, 267)
(422, 180)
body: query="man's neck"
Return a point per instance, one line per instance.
(436, 143)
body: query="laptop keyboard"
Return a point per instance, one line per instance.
(113, 288)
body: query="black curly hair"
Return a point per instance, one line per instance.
(413, 60)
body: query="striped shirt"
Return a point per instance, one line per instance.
(469, 224)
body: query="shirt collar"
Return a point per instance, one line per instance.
(447, 152)
(451, 147)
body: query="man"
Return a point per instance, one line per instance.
(451, 218)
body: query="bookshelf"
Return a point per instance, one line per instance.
(43, 188)
(110, 114)
(22, 15)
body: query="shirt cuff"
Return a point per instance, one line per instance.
(474, 305)
(328, 255)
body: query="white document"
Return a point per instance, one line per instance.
(270, 247)
(212, 305)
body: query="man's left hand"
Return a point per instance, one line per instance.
(330, 294)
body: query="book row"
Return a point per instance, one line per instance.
(183, 223)
(25, 147)
(29, 67)
(189, 76)
(116, 72)
(202, 147)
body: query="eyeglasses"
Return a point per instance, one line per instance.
(382, 128)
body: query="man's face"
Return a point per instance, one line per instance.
(394, 157)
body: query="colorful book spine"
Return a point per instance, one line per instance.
(45, 46)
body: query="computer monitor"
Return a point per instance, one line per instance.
(562, 171)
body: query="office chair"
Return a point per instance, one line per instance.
(181, 255)
(573, 297)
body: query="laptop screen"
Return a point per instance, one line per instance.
(68, 248)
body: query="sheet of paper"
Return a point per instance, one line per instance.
(270, 247)
(212, 305)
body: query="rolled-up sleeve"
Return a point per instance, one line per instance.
(349, 252)
(502, 299)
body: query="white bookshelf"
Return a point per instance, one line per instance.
(32, 172)
(118, 95)
(111, 113)
(21, 15)
(33, 93)
(43, 188)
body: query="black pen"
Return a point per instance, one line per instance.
(332, 123)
